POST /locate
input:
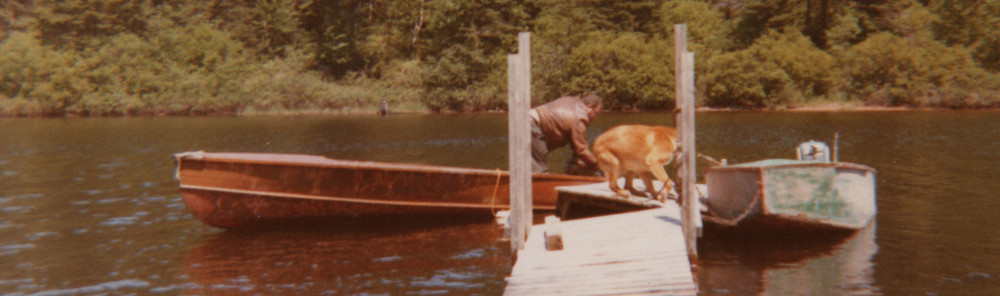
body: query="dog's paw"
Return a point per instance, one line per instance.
(660, 197)
(664, 196)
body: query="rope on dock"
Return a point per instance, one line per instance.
(493, 200)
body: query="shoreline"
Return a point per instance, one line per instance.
(832, 109)
(365, 111)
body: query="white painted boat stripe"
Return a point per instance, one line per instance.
(353, 200)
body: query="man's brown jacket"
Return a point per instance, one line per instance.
(564, 121)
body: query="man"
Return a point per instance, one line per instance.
(560, 122)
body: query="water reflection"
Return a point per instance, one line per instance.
(90, 206)
(371, 257)
(837, 264)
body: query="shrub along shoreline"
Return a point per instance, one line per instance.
(186, 57)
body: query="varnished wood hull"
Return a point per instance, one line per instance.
(233, 190)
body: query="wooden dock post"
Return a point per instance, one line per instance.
(684, 75)
(519, 141)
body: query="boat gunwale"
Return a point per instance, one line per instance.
(317, 161)
(847, 165)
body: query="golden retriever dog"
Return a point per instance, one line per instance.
(630, 150)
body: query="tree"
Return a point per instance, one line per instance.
(333, 30)
(36, 79)
(559, 28)
(808, 67)
(469, 42)
(814, 18)
(188, 69)
(79, 23)
(628, 70)
(781, 68)
(971, 24)
(278, 22)
(737, 79)
(895, 71)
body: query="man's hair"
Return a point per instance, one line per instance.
(592, 100)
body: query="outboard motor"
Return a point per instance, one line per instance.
(813, 151)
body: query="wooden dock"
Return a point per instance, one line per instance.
(596, 199)
(641, 252)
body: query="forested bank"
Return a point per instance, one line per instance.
(117, 57)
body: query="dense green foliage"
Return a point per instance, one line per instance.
(126, 57)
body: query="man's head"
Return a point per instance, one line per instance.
(594, 105)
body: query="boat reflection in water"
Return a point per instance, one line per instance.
(838, 263)
(375, 257)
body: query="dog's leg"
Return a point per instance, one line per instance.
(608, 164)
(648, 181)
(656, 168)
(629, 176)
(665, 192)
(613, 183)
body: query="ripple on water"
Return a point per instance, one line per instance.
(451, 279)
(17, 209)
(473, 254)
(110, 200)
(7, 224)
(120, 221)
(14, 249)
(387, 259)
(41, 234)
(99, 288)
(26, 196)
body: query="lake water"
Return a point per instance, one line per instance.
(90, 206)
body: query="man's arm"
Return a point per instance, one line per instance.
(579, 143)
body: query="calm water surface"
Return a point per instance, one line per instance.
(90, 206)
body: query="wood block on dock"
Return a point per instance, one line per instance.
(640, 252)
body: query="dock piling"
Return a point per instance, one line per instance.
(519, 138)
(685, 91)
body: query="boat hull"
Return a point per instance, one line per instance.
(232, 190)
(779, 194)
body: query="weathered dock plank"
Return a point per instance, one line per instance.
(641, 252)
(597, 199)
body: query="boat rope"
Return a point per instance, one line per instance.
(746, 211)
(494, 198)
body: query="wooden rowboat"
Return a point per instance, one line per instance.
(782, 195)
(233, 190)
